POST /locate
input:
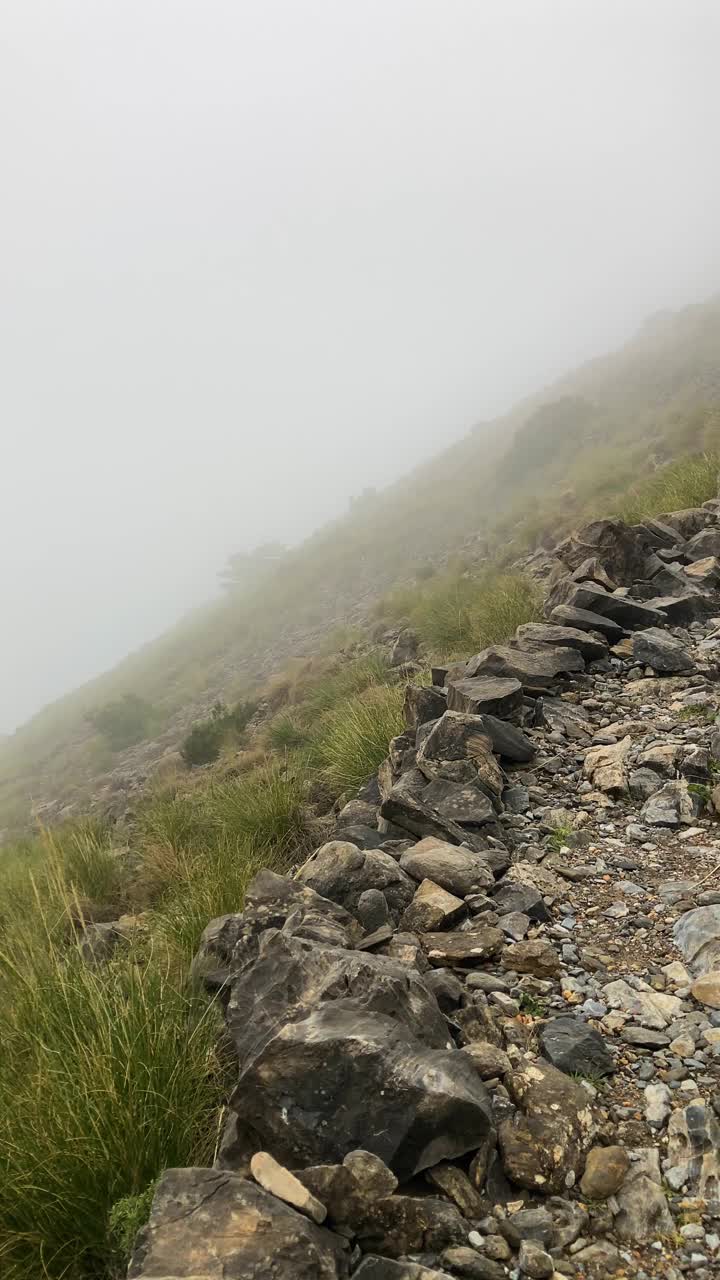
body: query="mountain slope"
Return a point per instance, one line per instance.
(567, 450)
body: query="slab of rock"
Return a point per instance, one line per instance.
(681, 609)
(282, 1183)
(412, 814)
(706, 989)
(565, 615)
(619, 549)
(463, 948)
(411, 1224)
(697, 934)
(341, 1079)
(626, 612)
(457, 870)
(574, 1047)
(537, 667)
(489, 1060)
(643, 1214)
(653, 1009)
(703, 544)
(422, 704)
(457, 1187)
(604, 766)
(662, 651)
(349, 1190)
(543, 1145)
(342, 872)
(671, 806)
(694, 1148)
(536, 956)
(486, 695)
(605, 1171)
(432, 908)
(207, 1224)
(592, 647)
(457, 735)
(510, 897)
(461, 803)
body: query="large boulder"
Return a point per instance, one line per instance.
(671, 806)
(486, 695)
(537, 667)
(287, 978)
(343, 1078)
(458, 870)
(619, 549)
(458, 735)
(592, 647)
(545, 1142)
(341, 872)
(420, 818)
(422, 704)
(208, 1224)
(662, 651)
(572, 1046)
(626, 612)
(697, 934)
(565, 615)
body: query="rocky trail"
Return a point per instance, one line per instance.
(478, 1032)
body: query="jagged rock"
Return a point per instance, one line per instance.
(460, 803)
(432, 908)
(694, 1149)
(662, 757)
(657, 1104)
(458, 871)
(349, 1190)
(458, 735)
(653, 1009)
(536, 667)
(372, 909)
(567, 718)
(463, 948)
(704, 573)
(669, 807)
(341, 872)
(544, 1143)
(469, 1265)
(537, 877)
(662, 651)
(534, 1261)
(605, 766)
(422, 705)
(572, 1046)
(679, 610)
(565, 615)
(208, 1224)
(510, 897)
(516, 799)
(446, 988)
(405, 648)
(413, 815)
(706, 989)
(285, 978)
(643, 783)
(628, 613)
(618, 548)
(643, 1214)
(280, 1182)
(275, 902)
(534, 1223)
(591, 647)
(598, 1260)
(342, 1078)
(409, 1224)
(535, 956)
(697, 934)
(457, 1187)
(486, 695)
(605, 1171)
(591, 570)
(488, 1059)
(357, 813)
(704, 544)
(99, 940)
(687, 522)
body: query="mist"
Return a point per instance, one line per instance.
(258, 256)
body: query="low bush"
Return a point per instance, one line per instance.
(125, 721)
(223, 727)
(686, 483)
(457, 614)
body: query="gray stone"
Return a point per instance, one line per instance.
(671, 806)
(662, 651)
(697, 934)
(643, 1214)
(574, 1047)
(537, 667)
(422, 704)
(694, 1148)
(511, 896)
(534, 1261)
(208, 1224)
(342, 872)
(459, 871)
(586, 620)
(486, 695)
(591, 647)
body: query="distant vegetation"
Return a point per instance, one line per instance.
(125, 721)
(458, 613)
(222, 728)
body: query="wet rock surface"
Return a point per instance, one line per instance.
(484, 1041)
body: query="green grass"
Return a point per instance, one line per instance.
(457, 614)
(354, 738)
(687, 482)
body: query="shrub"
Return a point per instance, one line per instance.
(125, 721)
(286, 733)
(455, 614)
(207, 738)
(354, 739)
(266, 809)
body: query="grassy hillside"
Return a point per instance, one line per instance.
(577, 448)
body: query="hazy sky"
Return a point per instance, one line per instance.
(258, 254)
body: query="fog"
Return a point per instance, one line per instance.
(259, 254)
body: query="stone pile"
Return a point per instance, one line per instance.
(478, 1032)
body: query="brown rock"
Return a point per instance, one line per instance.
(488, 1059)
(605, 1170)
(536, 956)
(432, 908)
(458, 1188)
(280, 1182)
(463, 948)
